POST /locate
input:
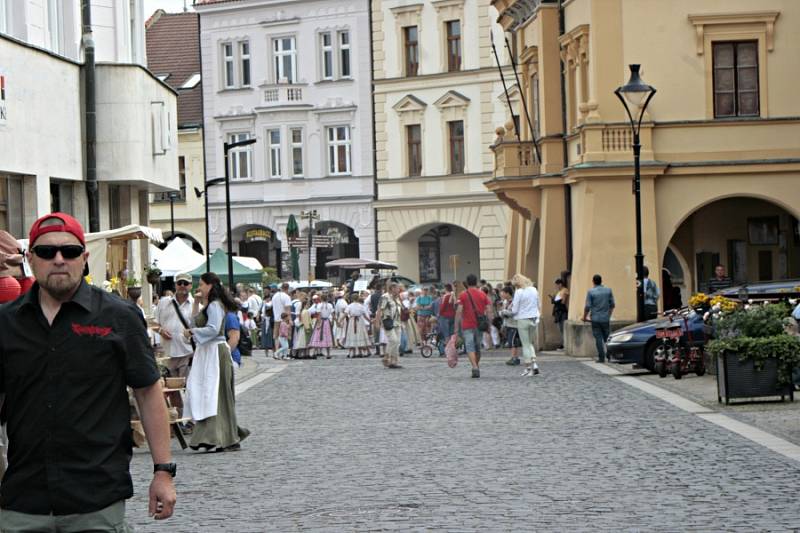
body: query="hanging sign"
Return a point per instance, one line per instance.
(3, 93)
(257, 235)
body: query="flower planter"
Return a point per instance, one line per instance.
(740, 380)
(153, 278)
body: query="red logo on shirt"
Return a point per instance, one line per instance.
(97, 331)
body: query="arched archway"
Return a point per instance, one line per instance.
(438, 253)
(753, 238)
(260, 242)
(343, 243)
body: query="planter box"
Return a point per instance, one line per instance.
(739, 379)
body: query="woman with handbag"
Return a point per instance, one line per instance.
(388, 317)
(560, 307)
(210, 399)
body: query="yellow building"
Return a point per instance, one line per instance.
(166, 33)
(437, 100)
(720, 146)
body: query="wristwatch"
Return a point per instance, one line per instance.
(170, 468)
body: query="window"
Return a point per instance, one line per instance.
(182, 176)
(241, 158)
(412, 51)
(285, 60)
(414, 143)
(736, 79)
(453, 45)
(159, 127)
(297, 152)
(11, 203)
(244, 51)
(60, 197)
(344, 54)
(227, 54)
(456, 129)
(339, 150)
(191, 82)
(274, 153)
(327, 56)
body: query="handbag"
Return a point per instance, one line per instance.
(388, 324)
(183, 322)
(483, 321)
(451, 352)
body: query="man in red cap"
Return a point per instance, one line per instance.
(67, 352)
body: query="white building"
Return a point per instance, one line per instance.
(42, 156)
(438, 98)
(294, 75)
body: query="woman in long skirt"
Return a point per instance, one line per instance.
(322, 337)
(210, 399)
(302, 327)
(357, 339)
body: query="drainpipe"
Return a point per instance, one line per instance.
(205, 164)
(90, 117)
(374, 135)
(564, 148)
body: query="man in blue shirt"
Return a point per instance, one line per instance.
(600, 305)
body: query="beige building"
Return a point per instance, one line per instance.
(720, 146)
(438, 98)
(173, 54)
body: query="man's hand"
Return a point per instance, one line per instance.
(162, 496)
(166, 334)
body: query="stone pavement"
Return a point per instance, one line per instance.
(345, 445)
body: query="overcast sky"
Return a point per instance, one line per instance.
(170, 6)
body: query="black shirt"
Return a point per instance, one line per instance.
(67, 406)
(716, 284)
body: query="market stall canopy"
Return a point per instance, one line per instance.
(355, 262)
(249, 262)
(304, 284)
(97, 246)
(178, 257)
(219, 265)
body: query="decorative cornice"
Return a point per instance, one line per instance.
(767, 18)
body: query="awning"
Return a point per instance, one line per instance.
(358, 263)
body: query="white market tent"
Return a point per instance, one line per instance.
(250, 262)
(178, 257)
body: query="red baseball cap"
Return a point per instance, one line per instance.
(68, 225)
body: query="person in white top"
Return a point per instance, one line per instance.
(339, 319)
(322, 337)
(171, 327)
(253, 302)
(525, 312)
(357, 337)
(280, 303)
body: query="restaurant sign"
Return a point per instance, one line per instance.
(257, 235)
(3, 107)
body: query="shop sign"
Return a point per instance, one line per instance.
(3, 107)
(257, 235)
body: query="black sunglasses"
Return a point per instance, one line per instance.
(183, 283)
(49, 251)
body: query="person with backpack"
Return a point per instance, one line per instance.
(471, 319)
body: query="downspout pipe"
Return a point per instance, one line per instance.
(374, 133)
(90, 116)
(564, 147)
(205, 162)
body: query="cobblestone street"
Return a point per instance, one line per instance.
(345, 445)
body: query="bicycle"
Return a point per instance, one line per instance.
(429, 343)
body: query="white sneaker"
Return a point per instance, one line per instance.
(528, 372)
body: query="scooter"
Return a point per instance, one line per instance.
(686, 357)
(669, 334)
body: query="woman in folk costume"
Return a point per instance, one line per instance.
(410, 323)
(209, 387)
(322, 337)
(357, 339)
(302, 326)
(339, 319)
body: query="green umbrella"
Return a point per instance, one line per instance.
(293, 232)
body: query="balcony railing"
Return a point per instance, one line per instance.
(617, 139)
(283, 96)
(515, 159)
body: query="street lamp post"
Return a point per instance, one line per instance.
(204, 194)
(311, 215)
(638, 94)
(227, 147)
(172, 195)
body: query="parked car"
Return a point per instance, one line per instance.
(637, 343)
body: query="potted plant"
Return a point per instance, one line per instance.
(754, 355)
(152, 273)
(134, 287)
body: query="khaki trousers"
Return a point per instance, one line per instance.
(111, 520)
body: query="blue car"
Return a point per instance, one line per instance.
(637, 343)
